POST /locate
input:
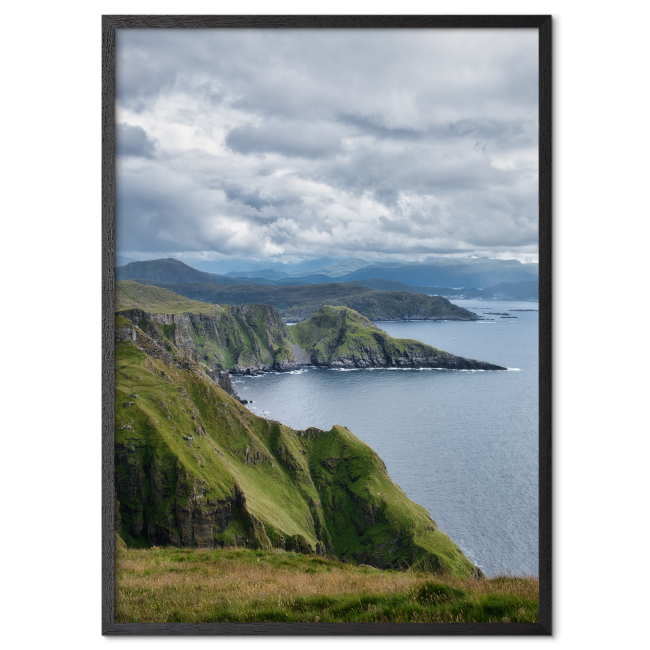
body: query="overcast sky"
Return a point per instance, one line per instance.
(289, 144)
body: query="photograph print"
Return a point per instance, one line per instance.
(326, 327)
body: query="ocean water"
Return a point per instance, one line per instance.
(463, 444)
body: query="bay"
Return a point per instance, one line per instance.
(463, 444)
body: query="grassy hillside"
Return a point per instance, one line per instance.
(390, 305)
(243, 339)
(133, 295)
(195, 468)
(253, 337)
(341, 337)
(242, 585)
(298, 302)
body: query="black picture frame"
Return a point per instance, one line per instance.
(544, 26)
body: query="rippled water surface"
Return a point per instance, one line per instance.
(461, 443)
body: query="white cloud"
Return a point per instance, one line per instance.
(301, 142)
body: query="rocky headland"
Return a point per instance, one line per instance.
(195, 468)
(339, 337)
(253, 338)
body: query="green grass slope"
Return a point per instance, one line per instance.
(341, 337)
(300, 301)
(194, 467)
(183, 585)
(379, 305)
(243, 339)
(134, 295)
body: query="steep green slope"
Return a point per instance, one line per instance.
(133, 295)
(254, 338)
(194, 467)
(341, 337)
(243, 339)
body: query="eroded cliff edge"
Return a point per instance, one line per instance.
(195, 468)
(254, 338)
(339, 337)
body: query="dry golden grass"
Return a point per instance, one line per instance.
(167, 585)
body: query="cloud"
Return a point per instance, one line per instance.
(134, 141)
(315, 141)
(327, 142)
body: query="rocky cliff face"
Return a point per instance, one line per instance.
(194, 467)
(224, 382)
(253, 338)
(245, 339)
(339, 337)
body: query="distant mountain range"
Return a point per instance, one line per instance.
(172, 272)
(250, 264)
(120, 260)
(476, 273)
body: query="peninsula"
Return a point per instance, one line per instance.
(195, 468)
(254, 338)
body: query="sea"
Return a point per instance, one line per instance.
(463, 444)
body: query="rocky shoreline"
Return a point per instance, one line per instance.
(253, 339)
(414, 319)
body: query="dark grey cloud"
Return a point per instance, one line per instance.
(319, 140)
(327, 143)
(134, 141)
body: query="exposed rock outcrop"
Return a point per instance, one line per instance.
(240, 340)
(224, 382)
(193, 467)
(338, 337)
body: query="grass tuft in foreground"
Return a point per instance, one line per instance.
(239, 585)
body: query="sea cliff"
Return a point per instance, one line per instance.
(195, 468)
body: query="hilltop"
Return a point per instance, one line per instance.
(174, 271)
(133, 295)
(195, 468)
(340, 337)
